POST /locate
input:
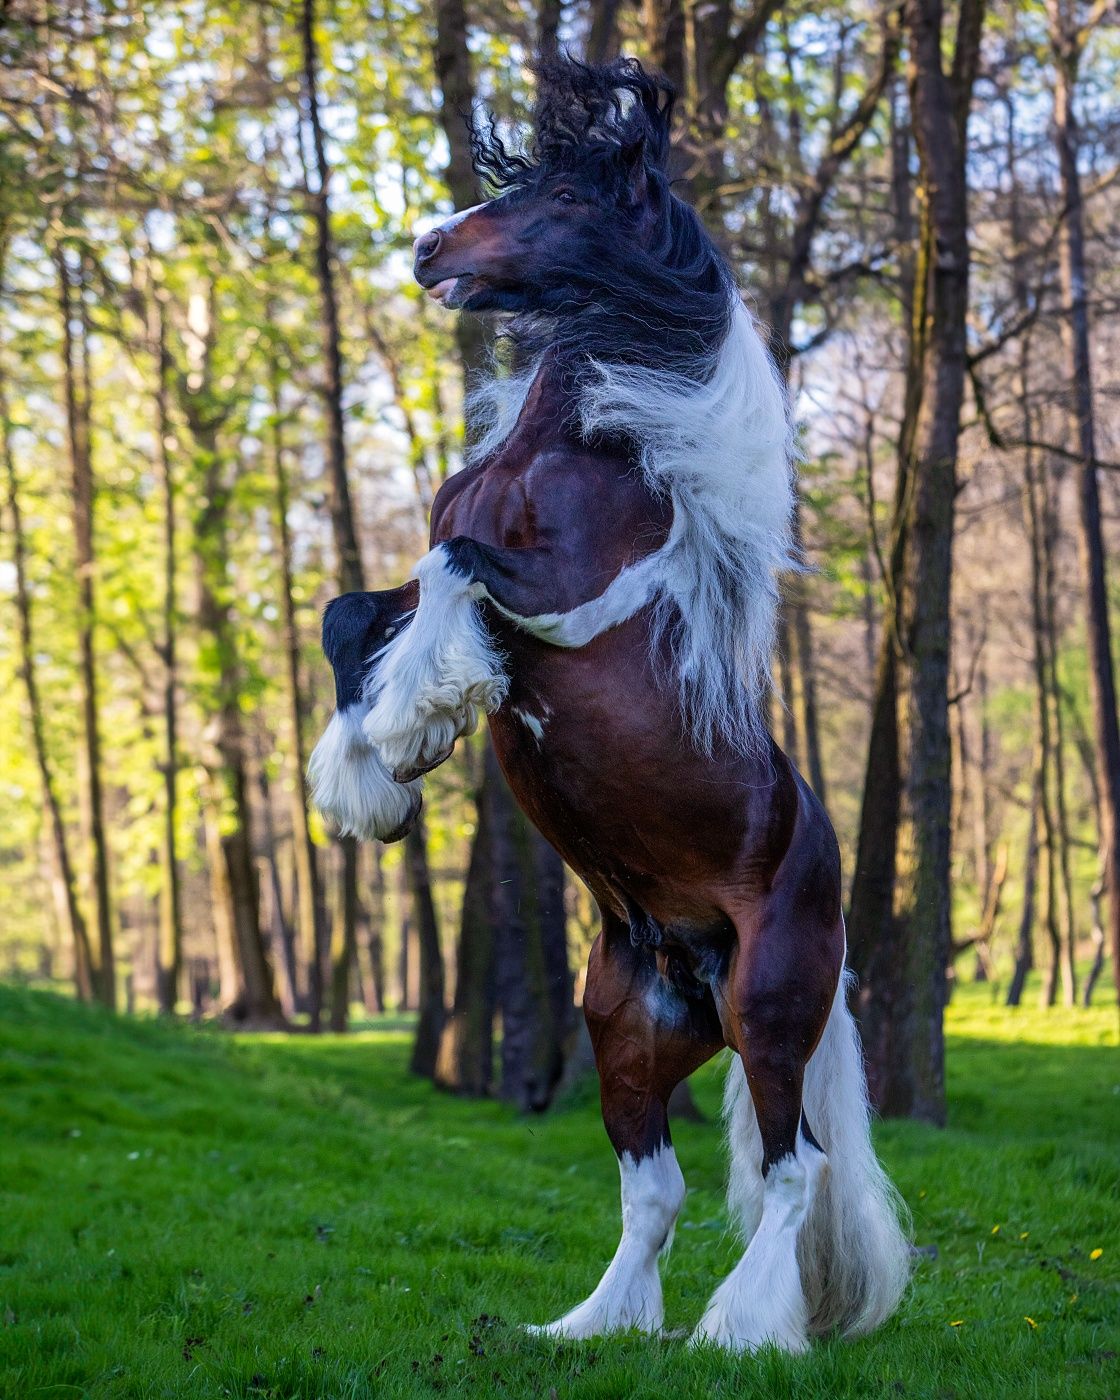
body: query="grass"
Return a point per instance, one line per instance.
(185, 1214)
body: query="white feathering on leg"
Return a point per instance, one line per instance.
(429, 685)
(349, 783)
(629, 1293)
(853, 1250)
(761, 1302)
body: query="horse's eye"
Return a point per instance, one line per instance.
(564, 196)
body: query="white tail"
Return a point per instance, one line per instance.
(853, 1252)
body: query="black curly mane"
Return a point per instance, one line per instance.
(664, 302)
(584, 118)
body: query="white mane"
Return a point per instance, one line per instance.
(722, 451)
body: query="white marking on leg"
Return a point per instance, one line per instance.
(428, 685)
(350, 785)
(761, 1302)
(744, 1178)
(629, 1293)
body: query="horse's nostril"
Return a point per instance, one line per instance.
(426, 245)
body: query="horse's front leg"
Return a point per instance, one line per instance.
(349, 783)
(433, 680)
(647, 1038)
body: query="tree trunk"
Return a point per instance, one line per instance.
(1067, 40)
(466, 1055)
(602, 39)
(76, 924)
(350, 572)
(1044, 710)
(910, 1075)
(374, 926)
(221, 906)
(512, 958)
(1042, 532)
(1098, 943)
(1024, 950)
(783, 699)
(282, 943)
(532, 983)
(872, 936)
(82, 493)
(432, 1007)
(664, 24)
(235, 880)
(550, 13)
(981, 817)
(407, 1001)
(169, 946)
(456, 83)
(311, 915)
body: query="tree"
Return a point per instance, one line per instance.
(905, 955)
(76, 386)
(169, 947)
(79, 932)
(309, 892)
(247, 990)
(1068, 39)
(351, 577)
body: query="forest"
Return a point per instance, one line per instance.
(223, 401)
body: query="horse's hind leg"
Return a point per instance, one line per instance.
(647, 1038)
(776, 1004)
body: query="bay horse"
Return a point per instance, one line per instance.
(602, 583)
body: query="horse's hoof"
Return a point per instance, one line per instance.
(400, 832)
(413, 771)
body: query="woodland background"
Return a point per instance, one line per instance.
(223, 400)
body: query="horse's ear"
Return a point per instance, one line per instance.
(634, 167)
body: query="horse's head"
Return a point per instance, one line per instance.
(589, 192)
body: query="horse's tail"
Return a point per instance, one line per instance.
(853, 1250)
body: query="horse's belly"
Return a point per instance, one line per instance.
(592, 744)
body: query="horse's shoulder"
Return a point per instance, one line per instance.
(562, 469)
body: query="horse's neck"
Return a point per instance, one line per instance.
(548, 414)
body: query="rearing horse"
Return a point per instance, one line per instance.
(602, 583)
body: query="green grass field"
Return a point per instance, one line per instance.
(186, 1214)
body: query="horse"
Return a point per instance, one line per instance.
(602, 583)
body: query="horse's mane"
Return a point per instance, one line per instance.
(662, 352)
(583, 114)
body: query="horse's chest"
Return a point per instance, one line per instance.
(582, 738)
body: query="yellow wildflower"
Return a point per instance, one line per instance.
(1030, 1320)
(1095, 1253)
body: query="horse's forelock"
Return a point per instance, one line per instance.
(616, 104)
(585, 116)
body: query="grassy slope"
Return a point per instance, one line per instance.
(185, 1215)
